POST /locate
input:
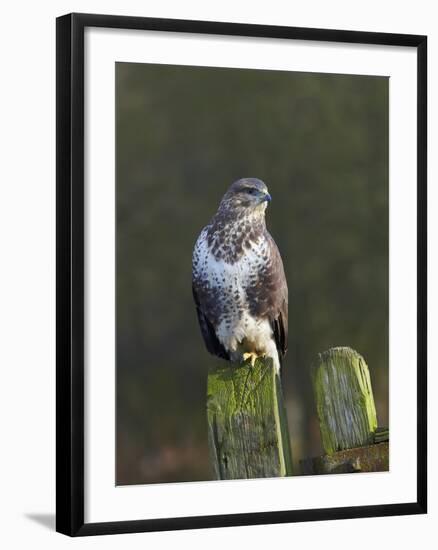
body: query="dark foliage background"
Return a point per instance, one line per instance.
(184, 134)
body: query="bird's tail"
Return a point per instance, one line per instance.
(278, 363)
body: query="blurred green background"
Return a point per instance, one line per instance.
(184, 134)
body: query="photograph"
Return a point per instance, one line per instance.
(252, 273)
(217, 270)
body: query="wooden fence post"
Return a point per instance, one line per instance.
(347, 416)
(247, 425)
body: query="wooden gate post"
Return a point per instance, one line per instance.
(347, 416)
(247, 425)
(344, 400)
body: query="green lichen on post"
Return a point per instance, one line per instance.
(344, 400)
(247, 426)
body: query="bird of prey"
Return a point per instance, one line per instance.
(238, 280)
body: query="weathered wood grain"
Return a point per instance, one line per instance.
(372, 458)
(344, 400)
(247, 426)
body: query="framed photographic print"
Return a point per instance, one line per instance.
(241, 274)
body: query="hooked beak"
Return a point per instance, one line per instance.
(267, 197)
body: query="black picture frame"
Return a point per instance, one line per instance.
(70, 273)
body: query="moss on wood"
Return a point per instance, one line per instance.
(247, 426)
(344, 400)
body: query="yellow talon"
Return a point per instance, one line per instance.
(250, 355)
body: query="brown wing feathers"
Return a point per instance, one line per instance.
(208, 333)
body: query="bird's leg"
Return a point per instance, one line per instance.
(250, 355)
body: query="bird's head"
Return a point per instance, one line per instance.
(247, 195)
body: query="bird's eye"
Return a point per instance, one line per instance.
(252, 191)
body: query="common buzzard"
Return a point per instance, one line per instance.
(239, 285)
